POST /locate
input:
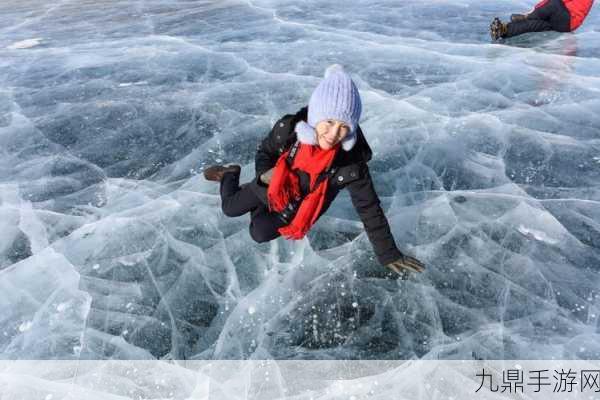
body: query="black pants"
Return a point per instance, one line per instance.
(551, 16)
(237, 201)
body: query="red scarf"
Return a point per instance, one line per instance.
(285, 186)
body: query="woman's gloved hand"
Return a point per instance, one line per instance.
(266, 176)
(406, 264)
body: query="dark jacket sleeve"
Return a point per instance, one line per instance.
(366, 202)
(271, 147)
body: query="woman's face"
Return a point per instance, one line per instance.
(330, 132)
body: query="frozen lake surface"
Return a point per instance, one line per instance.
(113, 246)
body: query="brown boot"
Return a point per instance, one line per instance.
(497, 29)
(216, 172)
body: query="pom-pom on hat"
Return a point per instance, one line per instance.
(336, 97)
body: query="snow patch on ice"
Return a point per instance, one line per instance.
(25, 326)
(537, 235)
(138, 83)
(25, 44)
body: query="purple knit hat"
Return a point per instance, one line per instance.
(336, 97)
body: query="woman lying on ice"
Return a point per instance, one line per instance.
(548, 15)
(302, 165)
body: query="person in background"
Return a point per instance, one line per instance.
(303, 164)
(547, 15)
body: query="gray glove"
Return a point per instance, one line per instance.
(406, 264)
(266, 176)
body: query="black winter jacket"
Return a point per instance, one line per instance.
(352, 173)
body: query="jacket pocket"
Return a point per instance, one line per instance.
(347, 174)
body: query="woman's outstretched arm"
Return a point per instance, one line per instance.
(365, 200)
(367, 204)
